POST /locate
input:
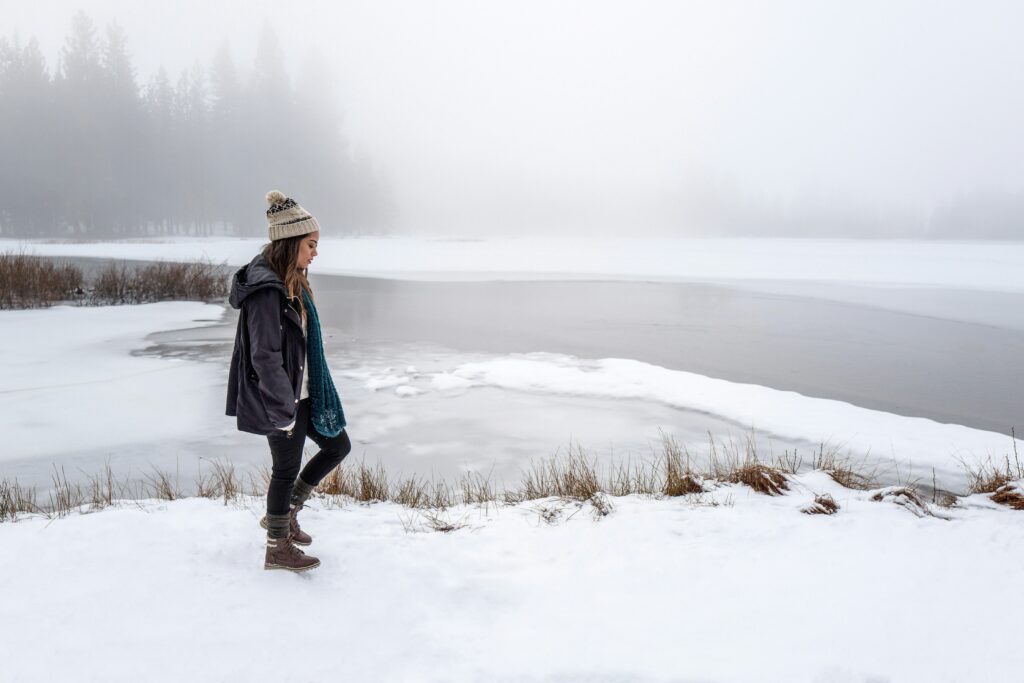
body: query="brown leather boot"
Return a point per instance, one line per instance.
(299, 537)
(282, 554)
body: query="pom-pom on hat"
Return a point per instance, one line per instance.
(286, 218)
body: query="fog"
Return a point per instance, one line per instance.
(894, 119)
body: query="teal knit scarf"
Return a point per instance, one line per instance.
(328, 416)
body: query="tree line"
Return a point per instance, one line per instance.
(87, 151)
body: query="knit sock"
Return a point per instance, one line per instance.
(277, 525)
(301, 491)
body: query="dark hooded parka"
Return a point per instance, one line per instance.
(265, 379)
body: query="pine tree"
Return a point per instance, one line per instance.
(27, 189)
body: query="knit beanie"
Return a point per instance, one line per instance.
(286, 218)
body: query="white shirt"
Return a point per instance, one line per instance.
(305, 374)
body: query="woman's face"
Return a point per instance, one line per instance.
(307, 249)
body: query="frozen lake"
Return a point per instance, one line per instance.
(949, 355)
(945, 355)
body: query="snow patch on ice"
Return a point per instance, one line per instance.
(913, 441)
(388, 381)
(447, 381)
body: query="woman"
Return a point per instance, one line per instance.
(279, 385)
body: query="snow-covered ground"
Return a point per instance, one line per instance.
(750, 590)
(984, 266)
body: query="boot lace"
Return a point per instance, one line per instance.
(294, 522)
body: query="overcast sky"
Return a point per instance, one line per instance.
(544, 115)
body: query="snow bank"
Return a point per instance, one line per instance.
(916, 444)
(660, 590)
(976, 266)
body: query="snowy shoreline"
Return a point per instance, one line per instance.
(121, 401)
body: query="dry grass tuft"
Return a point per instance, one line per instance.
(206, 485)
(477, 489)
(265, 475)
(906, 497)
(629, 478)
(227, 483)
(760, 477)
(371, 484)
(577, 477)
(574, 477)
(989, 476)
(829, 458)
(419, 493)
(161, 486)
(258, 483)
(738, 463)
(439, 522)
(412, 493)
(15, 499)
(600, 505)
(223, 482)
(1011, 494)
(536, 483)
(854, 478)
(822, 504)
(434, 520)
(548, 514)
(680, 479)
(104, 490)
(336, 483)
(65, 497)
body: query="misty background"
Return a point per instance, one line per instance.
(818, 119)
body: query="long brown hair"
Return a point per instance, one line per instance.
(282, 256)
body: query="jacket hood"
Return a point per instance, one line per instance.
(253, 277)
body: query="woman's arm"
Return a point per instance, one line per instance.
(264, 321)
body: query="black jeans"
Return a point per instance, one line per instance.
(287, 454)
